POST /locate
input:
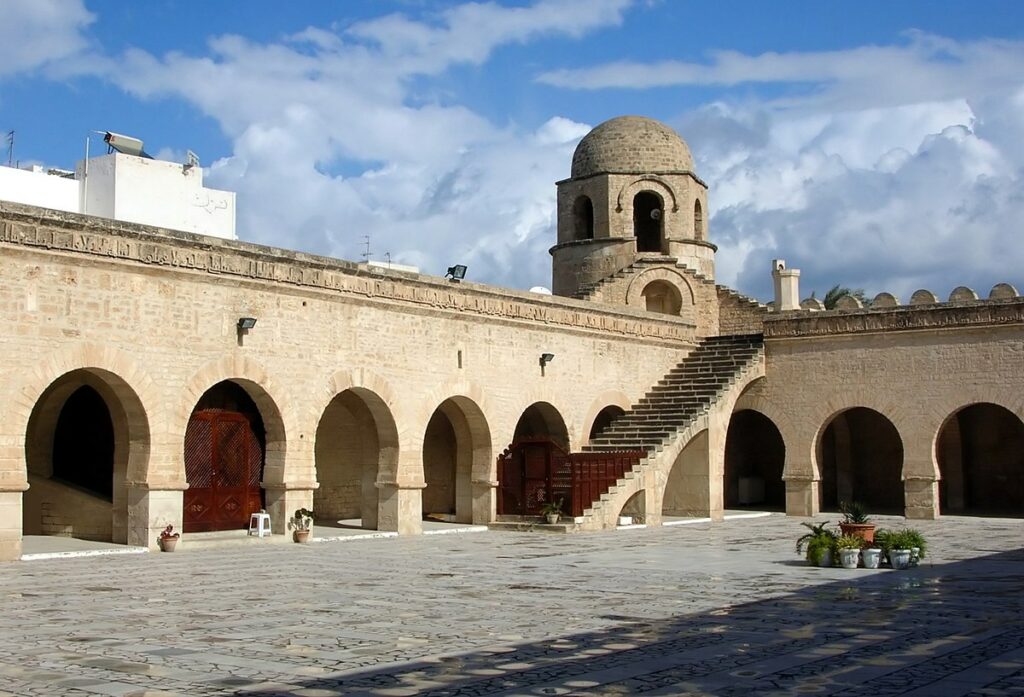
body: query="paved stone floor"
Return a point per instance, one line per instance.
(707, 609)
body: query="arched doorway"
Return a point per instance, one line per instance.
(583, 218)
(83, 433)
(648, 214)
(662, 297)
(225, 451)
(604, 419)
(356, 440)
(456, 440)
(861, 459)
(980, 451)
(527, 475)
(754, 459)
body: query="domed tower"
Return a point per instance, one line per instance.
(632, 195)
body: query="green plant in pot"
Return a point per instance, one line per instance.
(906, 547)
(301, 524)
(551, 511)
(848, 547)
(817, 544)
(855, 522)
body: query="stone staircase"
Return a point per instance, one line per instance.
(686, 392)
(592, 291)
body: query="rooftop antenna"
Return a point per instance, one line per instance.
(366, 253)
(387, 257)
(10, 148)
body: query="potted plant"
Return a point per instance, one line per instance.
(899, 543)
(848, 547)
(301, 524)
(818, 543)
(872, 554)
(551, 511)
(168, 539)
(918, 546)
(855, 522)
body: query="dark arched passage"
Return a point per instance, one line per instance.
(604, 419)
(754, 459)
(861, 459)
(980, 451)
(583, 218)
(648, 215)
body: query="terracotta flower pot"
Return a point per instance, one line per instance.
(300, 536)
(865, 531)
(167, 544)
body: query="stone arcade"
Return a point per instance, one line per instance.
(133, 398)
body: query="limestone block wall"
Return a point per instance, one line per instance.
(151, 315)
(915, 365)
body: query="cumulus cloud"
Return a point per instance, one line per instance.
(35, 33)
(328, 146)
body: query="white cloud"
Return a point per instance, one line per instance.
(35, 33)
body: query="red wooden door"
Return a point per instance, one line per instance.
(223, 466)
(524, 478)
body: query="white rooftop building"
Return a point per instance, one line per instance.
(123, 185)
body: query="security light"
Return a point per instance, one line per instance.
(246, 323)
(546, 358)
(456, 273)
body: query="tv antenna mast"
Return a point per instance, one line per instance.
(366, 252)
(10, 148)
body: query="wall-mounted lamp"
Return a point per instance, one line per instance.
(246, 323)
(546, 358)
(456, 273)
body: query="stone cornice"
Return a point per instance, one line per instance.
(37, 228)
(982, 313)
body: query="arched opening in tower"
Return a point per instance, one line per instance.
(754, 459)
(861, 459)
(698, 221)
(662, 297)
(980, 451)
(583, 218)
(648, 215)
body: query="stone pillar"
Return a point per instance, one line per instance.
(150, 510)
(400, 507)
(921, 498)
(802, 496)
(787, 286)
(485, 501)
(10, 518)
(282, 500)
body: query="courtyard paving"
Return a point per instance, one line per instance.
(707, 609)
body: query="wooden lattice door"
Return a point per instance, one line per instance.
(223, 466)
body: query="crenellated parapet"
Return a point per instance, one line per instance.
(884, 312)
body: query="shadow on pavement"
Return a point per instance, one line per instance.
(954, 629)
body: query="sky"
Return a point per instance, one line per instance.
(876, 145)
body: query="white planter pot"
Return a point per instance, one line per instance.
(552, 518)
(848, 558)
(872, 557)
(625, 520)
(899, 558)
(915, 555)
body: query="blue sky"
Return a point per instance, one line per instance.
(875, 144)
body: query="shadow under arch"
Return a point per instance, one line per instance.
(603, 410)
(86, 440)
(456, 448)
(542, 420)
(355, 448)
(860, 457)
(755, 457)
(979, 451)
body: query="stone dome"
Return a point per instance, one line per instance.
(631, 145)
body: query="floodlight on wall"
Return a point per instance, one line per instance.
(546, 358)
(246, 323)
(456, 273)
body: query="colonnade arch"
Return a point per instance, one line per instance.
(980, 454)
(457, 443)
(356, 446)
(755, 457)
(85, 437)
(860, 458)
